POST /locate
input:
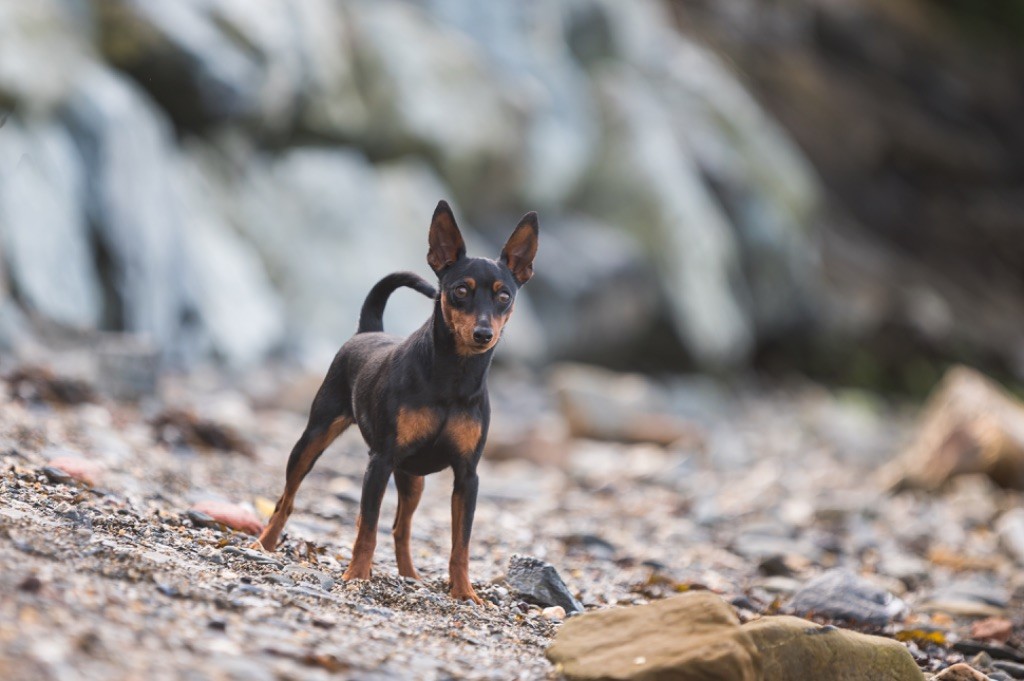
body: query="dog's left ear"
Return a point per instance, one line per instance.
(521, 248)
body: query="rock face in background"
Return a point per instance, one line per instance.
(910, 111)
(230, 184)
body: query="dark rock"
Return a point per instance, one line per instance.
(56, 475)
(997, 651)
(31, 584)
(591, 544)
(839, 594)
(180, 428)
(37, 384)
(691, 637)
(1013, 669)
(540, 583)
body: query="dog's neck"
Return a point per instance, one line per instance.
(456, 376)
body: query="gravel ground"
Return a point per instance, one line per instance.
(117, 581)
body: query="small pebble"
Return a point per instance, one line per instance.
(555, 613)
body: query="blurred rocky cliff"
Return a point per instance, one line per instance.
(228, 178)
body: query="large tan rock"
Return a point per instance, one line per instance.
(969, 425)
(694, 636)
(795, 648)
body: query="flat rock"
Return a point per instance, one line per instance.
(540, 583)
(604, 405)
(842, 595)
(969, 598)
(794, 648)
(1010, 527)
(695, 636)
(77, 469)
(992, 629)
(969, 425)
(960, 672)
(232, 515)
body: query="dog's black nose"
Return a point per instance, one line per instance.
(482, 335)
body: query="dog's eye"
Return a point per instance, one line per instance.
(504, 297)
(461, 291)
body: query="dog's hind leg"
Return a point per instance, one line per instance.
(325, 425)
(410, 489)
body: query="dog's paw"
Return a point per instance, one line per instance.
(467, 595)
(356, 573)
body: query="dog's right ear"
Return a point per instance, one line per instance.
(446, 244)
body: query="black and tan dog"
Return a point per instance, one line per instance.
(420, 402)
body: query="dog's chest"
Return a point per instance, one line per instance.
(457, 431)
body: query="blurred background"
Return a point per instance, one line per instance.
(833, 189)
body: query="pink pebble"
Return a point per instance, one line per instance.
(82, 470)
(232, 515)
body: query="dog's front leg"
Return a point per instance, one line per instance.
(375, 482)
(463, 507)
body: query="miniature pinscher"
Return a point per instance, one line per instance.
(420, 402)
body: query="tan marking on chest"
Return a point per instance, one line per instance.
(464, 432)
(414, 425)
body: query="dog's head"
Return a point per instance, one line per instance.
(478, 294)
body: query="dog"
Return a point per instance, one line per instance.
(420, 402)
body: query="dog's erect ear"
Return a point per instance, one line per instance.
(446, 244)
(521, 248)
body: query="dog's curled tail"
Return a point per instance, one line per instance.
(371, 318)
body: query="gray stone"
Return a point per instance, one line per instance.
(226, 282)
(183, 58)
(427, 88)
(604, 405)
(128, 147)
(43, 47)
(841, 595)
(1010, 528)
(43, 231)
(645, 178)
(525, 44)
(540, 583)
